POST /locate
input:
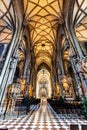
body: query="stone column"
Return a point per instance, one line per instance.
(80, 57)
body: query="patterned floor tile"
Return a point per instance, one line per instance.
(42, 119)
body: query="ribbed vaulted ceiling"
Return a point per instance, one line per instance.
(43, 17)
(7, 21)
(80, 19)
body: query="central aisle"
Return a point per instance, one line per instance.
(42, 119)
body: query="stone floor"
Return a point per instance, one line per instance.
(42, 119)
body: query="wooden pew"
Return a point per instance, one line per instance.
(84, 127)
(74, 127)
(3, 128)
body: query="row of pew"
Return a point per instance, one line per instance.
(21, 108)
(65, 107)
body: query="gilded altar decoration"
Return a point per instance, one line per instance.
(22, 85)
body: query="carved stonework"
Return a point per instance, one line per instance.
(84, 66)
(22, 83)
